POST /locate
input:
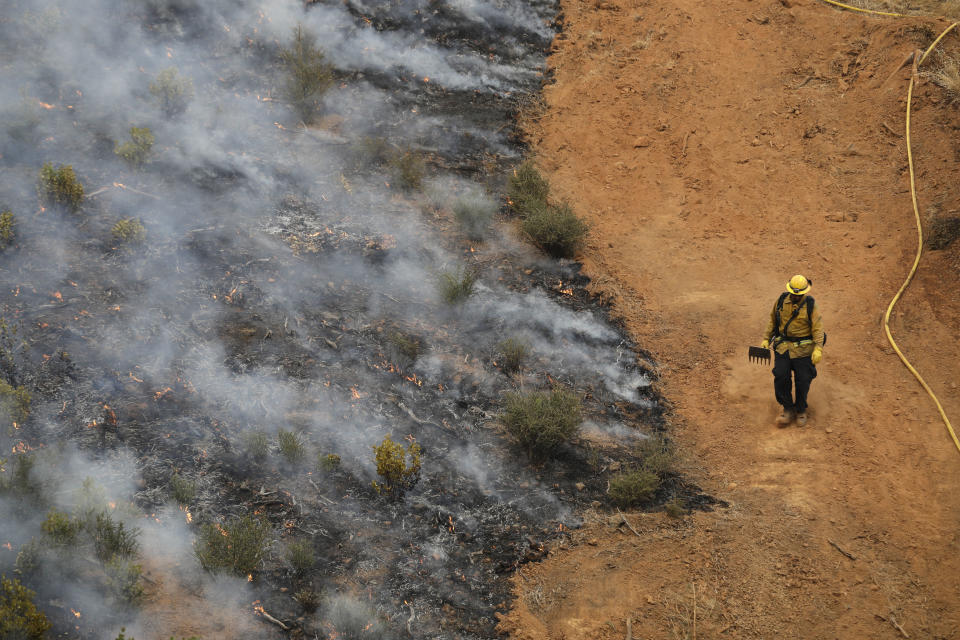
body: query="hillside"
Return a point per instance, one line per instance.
(717, 150)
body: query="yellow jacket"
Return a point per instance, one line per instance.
(799, 328)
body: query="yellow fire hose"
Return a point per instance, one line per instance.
(916, 213)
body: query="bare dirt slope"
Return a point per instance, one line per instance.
(717, 149)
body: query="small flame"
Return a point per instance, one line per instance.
(8, 546)
(135, 378)
(75, 613)
(355, 393)
(58, 296)
(112, 505)
(250, 579)
(46, 106)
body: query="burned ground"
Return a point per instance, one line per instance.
(279, 264)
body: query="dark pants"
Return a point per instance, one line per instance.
(803, 373)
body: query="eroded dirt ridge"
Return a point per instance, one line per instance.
(279, 268)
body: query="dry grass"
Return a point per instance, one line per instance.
(947, 76)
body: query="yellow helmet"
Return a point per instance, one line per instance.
(798, 285)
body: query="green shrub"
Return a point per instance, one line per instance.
(291, 446)
(329, 462)
(172, 91)
(136, 151)
(676, 508)
(633, 487)
(308, 74)
(300, 556)
(238, 546)
(308, 598)
(8, 229)
(28, 558)
(61, 528)
(638, 485)
(112, 539)
(124, 580)
(474, 213)
(19, 617)
(14, 402)
(128, 231)
(513, 353)
(257, 444)
(353, 619)
(404, 349)
(22, 483)
(526, 189)
(371, 150)
(555, 229)
(59, 187)
(393, 467)
(182, 489)
(408, 170)
(455, 286)
(542, 421)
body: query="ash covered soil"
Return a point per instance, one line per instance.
(281, 315)
(718, 150)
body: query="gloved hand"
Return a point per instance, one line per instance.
(817, 355)
(765, 344)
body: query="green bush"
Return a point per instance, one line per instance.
(557, 230)
(257, 444)
(526, 189)
(404, 349)
(28, 558)
(300, 556)
(128, 231)
(22, 482)
(308, 74)
(60, 528)
(291, 446)
(113, 540)
(474, 213)
(308, 598)
(353, 619)
(182, 489)
(636, 486)
(633, 487)
(676, 508)
(456, 285)
(59, 187)
(8, 229)
(542, 421)
(238, 547)
(329, 462)
(371, 150)
(172, 91)
(408, 170)
(393, 467)
(136, 151)
(513, 353)
(19, 617)
(124, 580)
(14, 402)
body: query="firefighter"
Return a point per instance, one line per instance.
(795, 332)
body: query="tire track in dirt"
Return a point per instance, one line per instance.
(717, 150)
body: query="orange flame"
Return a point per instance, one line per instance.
(75, 613)
(45, 105)
(135, 378)
(58, 296)
(8, 546)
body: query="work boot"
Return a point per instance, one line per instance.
(801, 418)
(785, 418)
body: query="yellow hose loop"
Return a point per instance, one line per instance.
(870, 11)
(916, 261)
